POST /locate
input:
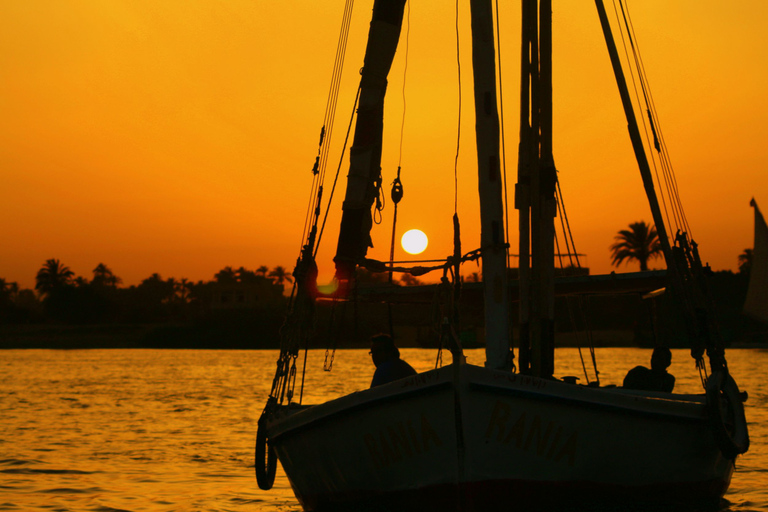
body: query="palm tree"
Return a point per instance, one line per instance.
(262, 271)
(8, 290)
(640, 242)
(280, 275)
(52, 275)
(745, 261)
(226, 276)
(245, 276)
(103, 276)
(183, 289)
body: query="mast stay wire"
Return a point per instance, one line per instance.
(503, 140)
(645, 122)
(326, 132)
(662, 148)
(338, 170)
(573, 253)
(397, 185)
(458, 135)
(284, 382)
(667, 187)
(651, 119)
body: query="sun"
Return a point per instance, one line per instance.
(414, 241)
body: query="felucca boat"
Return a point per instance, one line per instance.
(505, 435)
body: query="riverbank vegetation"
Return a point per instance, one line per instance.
(243, 308)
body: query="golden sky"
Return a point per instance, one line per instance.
(178, 136)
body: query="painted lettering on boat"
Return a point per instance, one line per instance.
(419, 379)
(523, 380)
(546, 438)
(401, 440)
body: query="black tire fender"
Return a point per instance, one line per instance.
(265, 460)
(726, 414)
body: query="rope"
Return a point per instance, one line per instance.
(338, 170)
(637, 98)
(572, 253)
(503, 140)
(405, 71)
(567, 227)
(458, 135)
(668, 188)
(326, 132)
(661, 148)
(298, 324)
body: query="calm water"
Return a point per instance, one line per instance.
(164, 430)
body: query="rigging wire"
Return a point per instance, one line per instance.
(458, 135)
(284, 382)
(326, 132)
(650, 121)
(503, 142)
(637, 99)
(668, 188)
(338, 170)
(652, 107)
(653, 121)
(405, 71)
(397, 186)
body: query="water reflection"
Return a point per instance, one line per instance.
(174, 430)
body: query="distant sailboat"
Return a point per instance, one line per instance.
(756, 303)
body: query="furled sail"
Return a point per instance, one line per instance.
(364, 176)
(756, 304)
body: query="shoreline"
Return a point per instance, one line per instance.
(187, 336)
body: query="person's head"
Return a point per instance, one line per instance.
(661, 359)
(383, 349)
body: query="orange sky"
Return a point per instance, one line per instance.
(178, 136)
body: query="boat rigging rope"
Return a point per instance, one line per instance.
(670, 197)
(503, 140)
(299, 324)
(326, 132)
(338, 170)
(458, 125)
(659, 143)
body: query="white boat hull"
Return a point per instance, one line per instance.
(470, 438)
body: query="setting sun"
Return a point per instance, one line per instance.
(414, 241)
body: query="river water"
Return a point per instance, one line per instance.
(173, 430)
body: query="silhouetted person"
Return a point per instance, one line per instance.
(655, 379)
(386, 358)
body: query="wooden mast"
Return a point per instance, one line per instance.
(543, 210)
(494, 265)
(535, 193)
(526, 160)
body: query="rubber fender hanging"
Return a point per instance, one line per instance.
(726, 414)
(265, 460)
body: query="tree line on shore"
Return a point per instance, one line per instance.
(61, 296)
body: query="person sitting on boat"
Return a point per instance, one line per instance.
(655, 379)
(386, 358)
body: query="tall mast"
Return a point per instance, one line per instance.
(494, 266)
(364, 176)
(527, 158)
(535, 193)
